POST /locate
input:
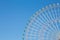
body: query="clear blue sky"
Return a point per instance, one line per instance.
(14, 15)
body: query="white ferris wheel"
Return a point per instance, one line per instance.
(44, 24)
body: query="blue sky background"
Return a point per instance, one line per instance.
(14, 15)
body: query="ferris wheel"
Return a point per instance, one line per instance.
(44, 24)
